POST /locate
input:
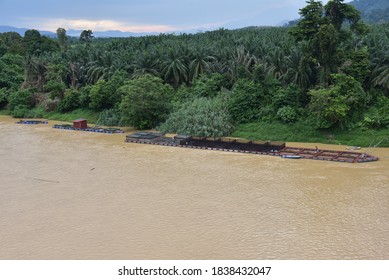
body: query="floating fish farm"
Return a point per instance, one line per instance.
(247, 146)
(31, 122)
(109, 130)
(81, 125)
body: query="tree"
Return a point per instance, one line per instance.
(62, 38)
(37, 44)
(70, 101)
(55, 77)
(11, 71)
(300, 70)
(338, 104)
(105, 94)
(32, 41)
(322, 28)
(12, 42)
(35, 76)
(174, 69)
(357, 65)
(21, 98)
(146, 102)
(245, 101)
(86, 36)
(145, 63)
(200, 64)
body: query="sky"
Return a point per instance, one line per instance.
(146, 15)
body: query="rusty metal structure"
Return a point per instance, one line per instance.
(247, 146)
(330, 155)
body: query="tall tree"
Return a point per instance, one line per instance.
(86, 36)
(322, 27)
(62, 38)
(32, 41)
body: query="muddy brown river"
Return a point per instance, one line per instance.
(82, 195)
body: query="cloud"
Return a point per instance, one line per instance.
(51, 24)
(146, 15)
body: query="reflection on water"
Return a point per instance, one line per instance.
(79, 195)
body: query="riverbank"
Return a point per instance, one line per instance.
(38, 112)
(274, 131)
(119, 139)
(299, 132)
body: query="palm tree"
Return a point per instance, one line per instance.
(299, 70)
(241, 65)
(145, 63)
(102, 65)
(36, 67)
(381, 76)
(276, 60)
(200, 63)
(174, 69)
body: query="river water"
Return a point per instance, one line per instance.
(79, 195)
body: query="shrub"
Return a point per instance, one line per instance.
(109, 117)
(50, 105)
(69, 102)
(85, 97)
(378, 116)
(104, 94)
(246, 101)
(3, 98)
(20, 111)
(200, 117)
(287, 114)
(21, 97)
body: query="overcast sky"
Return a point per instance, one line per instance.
(146, 15)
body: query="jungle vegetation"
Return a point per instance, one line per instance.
(328, 73)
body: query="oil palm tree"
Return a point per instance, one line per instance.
(174, 69)
(145, 63)
(200, 64)
(299, 70)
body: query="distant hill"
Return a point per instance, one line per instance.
(108, 34)
(76, 33)
(373, 11)
(21, 31)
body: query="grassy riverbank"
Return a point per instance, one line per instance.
(38, 112)
(275, 131)
(300, 132)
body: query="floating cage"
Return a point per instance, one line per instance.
(214, 143)
(247, 146)
(31, 122)
(329, 155)
(108, 130)
(144, 137)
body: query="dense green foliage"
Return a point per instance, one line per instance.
(200, 117)
(145, 102)
(330, 71)
(373, 11)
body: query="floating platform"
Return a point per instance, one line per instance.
(109, 130)
(31, 122)
(246, 146)
(329, 155)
